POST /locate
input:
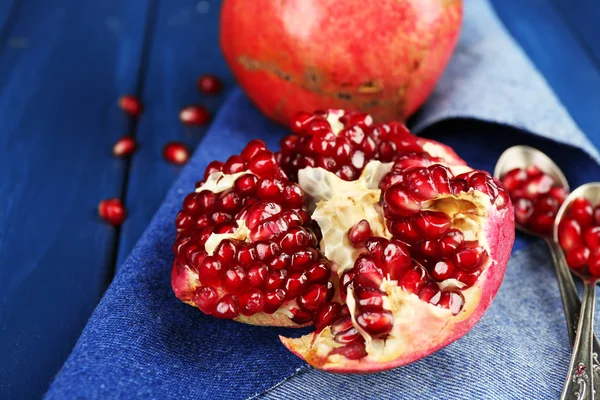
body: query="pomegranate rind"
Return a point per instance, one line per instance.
(499, 232)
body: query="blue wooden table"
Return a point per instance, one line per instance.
(63, 65)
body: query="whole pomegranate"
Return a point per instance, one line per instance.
(383, 57)
(389, 244)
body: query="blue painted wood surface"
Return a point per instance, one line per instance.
(64, 63)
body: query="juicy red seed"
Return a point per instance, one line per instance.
(597, 215)
(205, 298)
(578, 257)
(369, 296)
(206, 200)
(313, 297)
(459, 185)
(295, 239)
(176, 153)
(234, 279)
(246, 184)
(131, 105)
(539, 185)
(235, 164)
(374, 321)
(403, 229)
(300, 121)
(280, 262)
(413, 280)
(319, 272)
(542, 222)
(396, 259)
(326, 314)
(569, 234)
(533, 171)
(295, 285)
(581, 210)
(375, 246)
(469, 258)
(546, 203)
(256, 213)
(591, 236)
(252, 149)
(257, 275)
(359, 233)
(451, 241)
(191, 203)
(124, 147)
(367, 273)
(227, 307)
(354, 351)
(452, 301)
(300, 316)
(345, 281)
(442, 270)
(303, 259)
(209, 84)
(275, 279)
(252, 301)
(523, 210)
(514, 179)
(220, 217)
(184, 221)
(293, 196)
(112, 211)
(230, 202)
(246, 254)
(399, 202)
(202, 221)
(266, 250)
(195, 115)
(347, 336)
(213, 166)
(225, 252)
(341, 325)
(274, 300)
(594, 262)
(428, 248)
(430, 293)
(431, 224)
(468, 279)
(263, 163)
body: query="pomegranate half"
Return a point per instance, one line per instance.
(389, 244)
(383, 57)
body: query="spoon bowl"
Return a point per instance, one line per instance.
(523, 157)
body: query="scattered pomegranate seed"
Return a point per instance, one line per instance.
(113, 211)
(124, 147)
(209, 84)
(359, 233)
(194, 115)
(176, 153)
(131, 105)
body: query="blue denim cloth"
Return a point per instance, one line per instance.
(141, 342)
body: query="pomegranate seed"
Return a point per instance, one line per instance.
(209, 84)
(523, 210)
(514, 179)
(274, 300)
(578, 257)
(569, 234)
(341, 325)
(326, 314)
(252, 301)
(210, 270)
(225, 252)
(369, 296)
(431, 224)
(275, 279)
(359, 233)
(257, 274)
(227, 307)
(195, 115)
(347, 336)
(112, 211)
(375, 322)
(295, 285)
(468, 279)
(581, 210)
(450, 241)
(176, 153)
(263, 163)
(542, 222)
(594, 262)
(354, 351)
(591, 236)
(131, 105)
(314, 296)
(319, 272)
(430, 293)
(300, 316)
(413, 280)
(124, 147)
(469, 258)
(452, 301)
(396, 259)
(205, 298)
(442, 270)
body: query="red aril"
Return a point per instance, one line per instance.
(195, 115)
(209, 84)
(131, 105)
(176, 153)
(581, 210)
(112, 211)
(124, 147)
(400, 254)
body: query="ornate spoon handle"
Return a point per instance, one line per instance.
(580, 378)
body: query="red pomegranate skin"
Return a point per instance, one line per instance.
(383, 57)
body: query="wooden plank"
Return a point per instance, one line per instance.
(58, 93)
(574, 77)
(184, 45)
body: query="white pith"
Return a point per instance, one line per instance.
(218, 182)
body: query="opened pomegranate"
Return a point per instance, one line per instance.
(536, 198)
(579, 236)
(389, 263)
(383, 57)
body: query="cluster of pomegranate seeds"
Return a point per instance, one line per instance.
(209, 84)
(579, 236)
(536, 198)
(176, 153)
(195, 115)
(131, 105)
(112, 211)
(124, 147)
(342, 143)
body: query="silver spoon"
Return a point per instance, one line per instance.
(523, 157)
(580, 383)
